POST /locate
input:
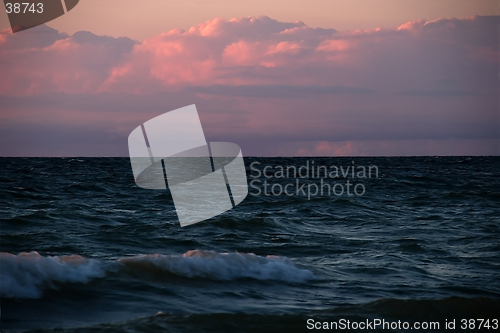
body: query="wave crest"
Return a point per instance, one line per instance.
(26, 275)
(224, 266)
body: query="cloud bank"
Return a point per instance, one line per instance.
(275, 88)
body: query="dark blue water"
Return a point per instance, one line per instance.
(85, 249)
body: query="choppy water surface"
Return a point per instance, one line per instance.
(84, 249)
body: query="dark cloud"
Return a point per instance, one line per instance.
(275, 91)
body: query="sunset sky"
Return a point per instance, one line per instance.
(279, 78)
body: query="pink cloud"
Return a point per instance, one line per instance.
(41, 61)
(450, 147)
(416, 55)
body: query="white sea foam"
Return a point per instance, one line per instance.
(225, 266)
(26, 275)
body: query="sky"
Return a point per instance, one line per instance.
(141, 19)
(295, 78)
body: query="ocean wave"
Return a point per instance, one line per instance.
(223, 266)
(26, 275)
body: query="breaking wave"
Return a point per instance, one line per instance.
(26, 275)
